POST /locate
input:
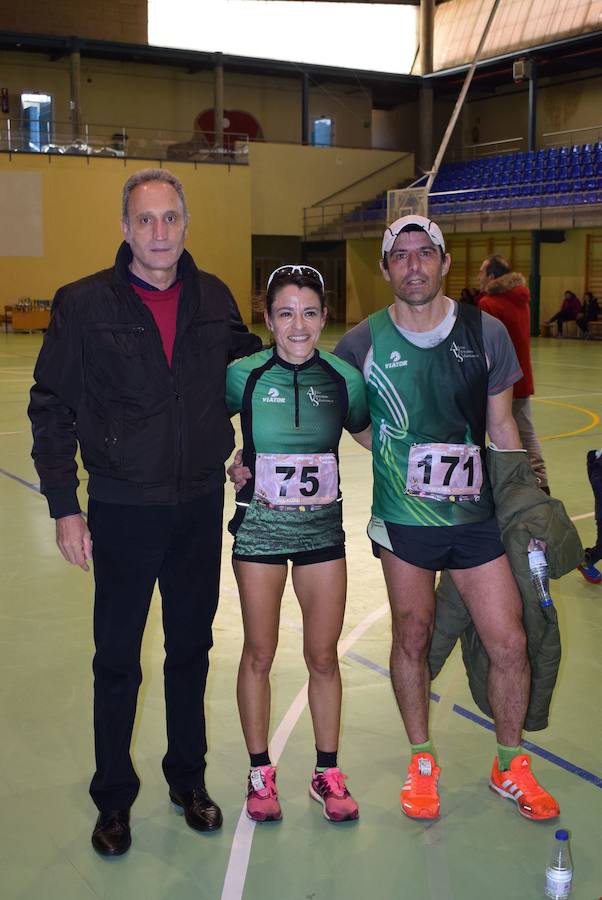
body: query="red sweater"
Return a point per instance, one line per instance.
(508, 299)
(164, 307)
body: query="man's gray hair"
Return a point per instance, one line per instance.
(144, 176)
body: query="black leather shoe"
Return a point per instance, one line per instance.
(200, 811)
(111, 835)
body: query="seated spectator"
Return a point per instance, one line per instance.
(568, 312)
(590, 310)
(468, 296)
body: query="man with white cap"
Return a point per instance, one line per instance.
(439, 376)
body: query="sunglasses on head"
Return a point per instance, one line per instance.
(304, 271)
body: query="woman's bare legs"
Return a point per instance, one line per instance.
(260, 586)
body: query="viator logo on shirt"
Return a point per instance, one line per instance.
(274, 396)
(396, 362)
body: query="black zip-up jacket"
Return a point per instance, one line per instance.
(148, 433)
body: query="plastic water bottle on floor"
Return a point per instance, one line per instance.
(538, 566)
(559, 873)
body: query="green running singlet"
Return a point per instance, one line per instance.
(292, 417)
(428, 410)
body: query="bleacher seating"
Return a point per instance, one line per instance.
(553, 176)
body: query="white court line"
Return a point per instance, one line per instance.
(238, 863)
(236, 873)
(5, 433)
(583, 516)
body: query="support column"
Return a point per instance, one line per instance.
(427, 24)
(533, 104)
(535, 281)
(75, 101)
(425, 128)
(218, 103)
(305, 109)
(425, 97)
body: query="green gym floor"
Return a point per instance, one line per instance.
(480, 848)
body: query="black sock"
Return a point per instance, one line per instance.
(326, 760)
(260, 759)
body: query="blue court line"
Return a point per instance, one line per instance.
(368, 663)
(27, 484)
(534, 748)
(488, 724)
(380, 669)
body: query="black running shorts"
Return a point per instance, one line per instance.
(437, 547)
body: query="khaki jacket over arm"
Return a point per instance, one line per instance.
(523, 512)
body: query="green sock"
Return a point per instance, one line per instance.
(427, 747)
(505, 755)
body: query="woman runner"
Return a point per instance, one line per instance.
(293, 402)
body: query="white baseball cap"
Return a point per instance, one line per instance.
(428, 226)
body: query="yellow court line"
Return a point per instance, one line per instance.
(595, 419)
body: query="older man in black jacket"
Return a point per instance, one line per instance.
(133, 369)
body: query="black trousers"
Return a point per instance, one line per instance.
(560, 318)
(594, 472)
(133, 548)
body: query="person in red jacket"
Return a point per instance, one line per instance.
(505, 295)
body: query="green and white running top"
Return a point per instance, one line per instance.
(428, 406)
(292, 417)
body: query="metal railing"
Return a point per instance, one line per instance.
(515, 211)
(491, 148)
(123, 142)
(588, 135)
(337, 221)
(340, 221)
(363, 178)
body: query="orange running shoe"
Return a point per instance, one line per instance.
(518, 783)
(419, 797)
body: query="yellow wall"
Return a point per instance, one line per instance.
(563, 269)
(562, 266)
(151, 97)
(573, 103)
(367, 290)
(81, 210)
(286, 178)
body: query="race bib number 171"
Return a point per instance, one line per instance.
(445, 471)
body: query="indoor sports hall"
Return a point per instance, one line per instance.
(288, 161)
(47, 736)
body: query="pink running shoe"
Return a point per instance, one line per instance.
(328, 788)
(262, 796)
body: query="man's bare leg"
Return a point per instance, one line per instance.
(494, 603)
(412, 599)
(411, 594)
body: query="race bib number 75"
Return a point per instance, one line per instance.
(445, 471)
(284, 480)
